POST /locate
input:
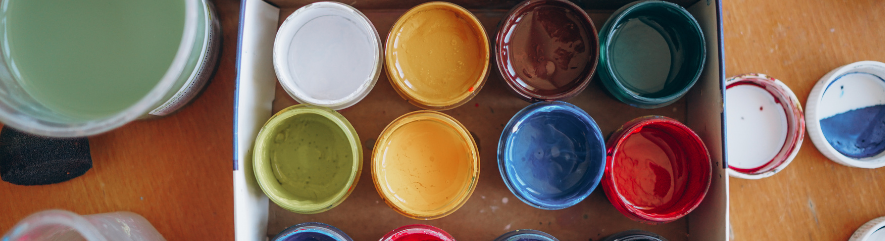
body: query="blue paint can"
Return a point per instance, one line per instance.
(846, 115)
(551, 155)
(635, 235)
(526, 235)
(312, 232)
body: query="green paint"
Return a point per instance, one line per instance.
(311, 157)
(91, 58)
(641, 56)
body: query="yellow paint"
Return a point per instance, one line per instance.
(437, 55)
(425, 165)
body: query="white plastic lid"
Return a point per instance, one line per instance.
(846, 115)
(874, 230)
(327, 54)
(765, 126)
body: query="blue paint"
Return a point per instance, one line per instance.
(551, 155)
(858, 133)
(308, 236)
(526, 235)
(312, 232)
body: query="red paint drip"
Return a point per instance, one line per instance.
(470, 90)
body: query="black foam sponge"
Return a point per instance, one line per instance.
(27, 159)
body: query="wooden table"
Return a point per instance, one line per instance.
(798, 42)
(176, 171)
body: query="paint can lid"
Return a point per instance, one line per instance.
(846, 115)
(765, 125)
(870, 231)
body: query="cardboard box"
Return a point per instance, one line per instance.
(492, 210)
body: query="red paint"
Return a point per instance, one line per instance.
(417, 232)
(658, 170)
(795, 120)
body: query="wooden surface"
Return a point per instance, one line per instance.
(176, 171)
(799, 41)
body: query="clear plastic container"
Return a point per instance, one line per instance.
(188, 73)
(58, 225)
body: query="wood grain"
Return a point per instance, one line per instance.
(174, 171)
(798, 42)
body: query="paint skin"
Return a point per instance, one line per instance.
(553, 155)
(757, 126)
(651, 172)
(311, 158)
(547, 49)
(332, 52)
(427, 167)
(853, 110)
(92, 58)
(437, 54)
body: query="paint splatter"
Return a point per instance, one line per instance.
(504, 200)
(507, 227)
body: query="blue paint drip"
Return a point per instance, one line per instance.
(858, 133)
(553, 155)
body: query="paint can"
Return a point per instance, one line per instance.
(551, 155)
(425, 165)
(635, 235)
(312, 231)
(651, 53)
(307, 159)
(128, 61)
(526, 235)
(417, 232)
(845, 115)
(437, 56)
(327, 54)
(874, 230)
(547, 50)
(765, 125)
(657, 170)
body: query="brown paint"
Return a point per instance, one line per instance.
(547, 49)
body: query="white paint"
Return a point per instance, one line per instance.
(852, 91)
(754, 136)
(327, 54)
(505, 200)
(507, 227)
(494, 208)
